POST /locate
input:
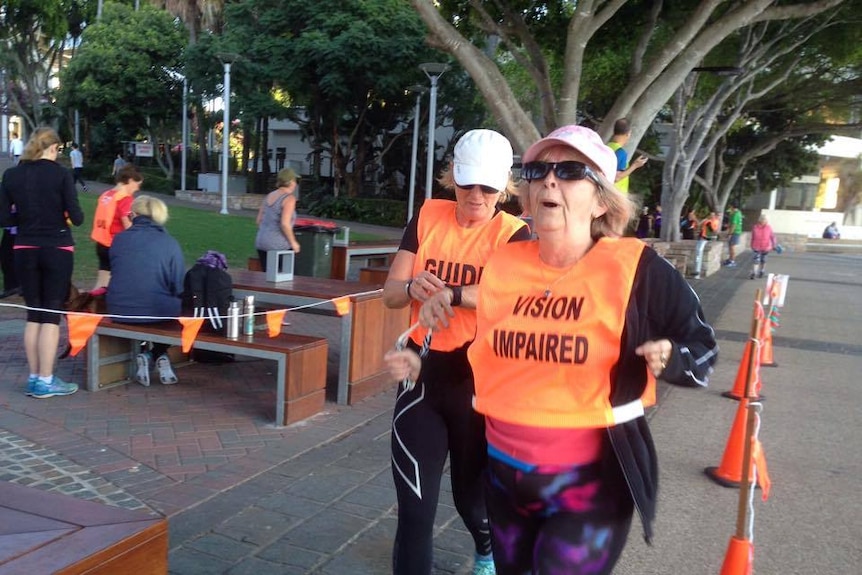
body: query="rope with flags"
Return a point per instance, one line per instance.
(82, 325)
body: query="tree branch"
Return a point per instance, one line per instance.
(489, 80)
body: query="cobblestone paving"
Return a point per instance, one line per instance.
(25, 463)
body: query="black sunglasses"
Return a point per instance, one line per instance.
(485, 189)
(570, 170)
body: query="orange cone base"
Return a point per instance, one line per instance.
(715, 474)
(729, 471)
(739, 558)
(731, 395)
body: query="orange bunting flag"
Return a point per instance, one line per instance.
(191, 327)
(759, 459)
(81, 328)
(273, 321)
(342, 305)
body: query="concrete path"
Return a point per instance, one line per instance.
(245, 497)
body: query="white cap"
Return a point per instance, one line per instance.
(483, 157)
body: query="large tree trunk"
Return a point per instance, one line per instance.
(489, 80)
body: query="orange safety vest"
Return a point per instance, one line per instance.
(549, 361)
(709, 223)
(106, 208)
(457, 255)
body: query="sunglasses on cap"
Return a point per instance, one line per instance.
(485, 189)
(569, 170)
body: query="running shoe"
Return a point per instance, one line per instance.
(31, 385)
(143, 374)
(484, 565)
(166, 372)
(57, 386)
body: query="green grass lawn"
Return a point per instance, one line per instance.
(196, 231)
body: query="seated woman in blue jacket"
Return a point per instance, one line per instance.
(147, 271)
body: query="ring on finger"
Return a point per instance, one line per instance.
(663, 360)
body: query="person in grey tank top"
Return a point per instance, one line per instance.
(276, 217)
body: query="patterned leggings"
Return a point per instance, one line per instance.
(760, 257)
(556, 520)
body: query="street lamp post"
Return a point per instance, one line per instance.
(185, 136)
(227, 60)
(433, 70)
(419, 91)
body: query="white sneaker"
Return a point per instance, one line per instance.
(143, 374)
(166, 372)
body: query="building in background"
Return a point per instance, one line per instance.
(832, 194)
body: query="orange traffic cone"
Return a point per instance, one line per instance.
(729, 471)
(766, 357)
(739, 558)
(738, 391)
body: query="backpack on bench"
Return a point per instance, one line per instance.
(207, 292)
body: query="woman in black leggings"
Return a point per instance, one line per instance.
(447, 244)
(45, 205)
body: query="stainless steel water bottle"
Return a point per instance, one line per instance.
(233, 320)
(248, 312)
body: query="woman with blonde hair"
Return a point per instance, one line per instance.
(573, 329)
(445, 247)
(38, 195)
(276, 217)
(147, 271)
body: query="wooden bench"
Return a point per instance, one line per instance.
(372, 254)
(301, 359)
(54, 533)
(367, 330)
(373, 275)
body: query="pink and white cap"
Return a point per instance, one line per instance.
(582, 139)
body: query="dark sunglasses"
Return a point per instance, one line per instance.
(570, 171)
(485, 189)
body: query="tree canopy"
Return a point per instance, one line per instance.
(126, 78)
(340, 71)
(35, 36)
(345, 67)
(551, 41)
(758, 124)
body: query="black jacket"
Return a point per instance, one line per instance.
(661, 305)
(44, 194)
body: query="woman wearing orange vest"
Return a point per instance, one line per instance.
(112, 217)
(447, 244)
(708, 231)
(566, 356)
